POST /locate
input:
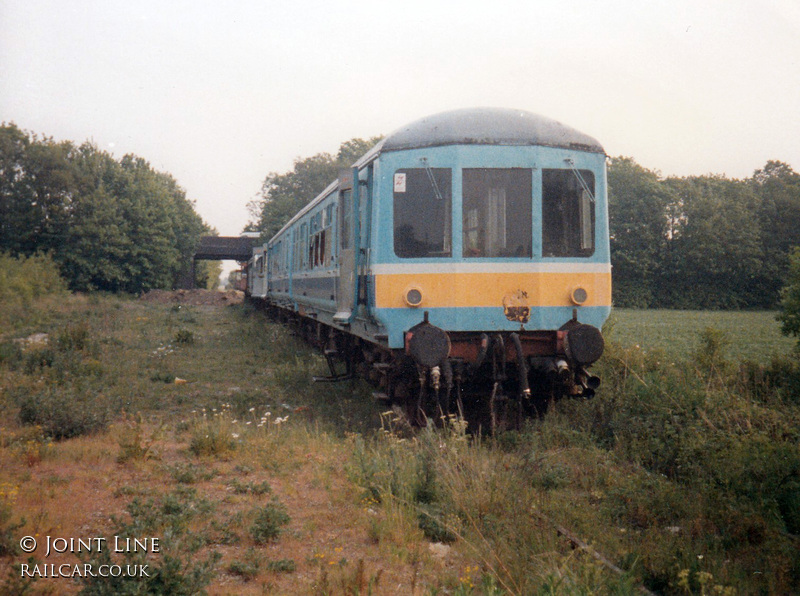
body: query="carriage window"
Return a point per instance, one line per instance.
(422, 219)
(345, 218)
(300, 247)
(296, 251)
(276, 261)
(317, 251)
(568, 217)
(497, 212)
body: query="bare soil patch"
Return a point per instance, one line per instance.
(194, 297)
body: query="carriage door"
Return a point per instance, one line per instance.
(348, 242)
(269, 254)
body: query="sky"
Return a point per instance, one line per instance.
(220, 94)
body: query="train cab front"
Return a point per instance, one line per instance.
(495, 223)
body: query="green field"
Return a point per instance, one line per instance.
(751, 335)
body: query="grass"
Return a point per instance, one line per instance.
(200, 426)
(223, 438)
(752, 334)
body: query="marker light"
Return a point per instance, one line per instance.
(413, 297)
(579, 296)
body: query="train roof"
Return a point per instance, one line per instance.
(473, 126)
(488, 126)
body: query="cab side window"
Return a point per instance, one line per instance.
(568, 213)
(422, 212)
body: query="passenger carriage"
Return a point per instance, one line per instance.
(467, 247)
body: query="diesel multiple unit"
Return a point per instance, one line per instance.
(466, 254)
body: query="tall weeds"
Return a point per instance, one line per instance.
(22, 279)
(685, 474)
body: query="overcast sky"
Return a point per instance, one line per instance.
(219, 94)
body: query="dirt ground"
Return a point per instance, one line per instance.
(194, 297)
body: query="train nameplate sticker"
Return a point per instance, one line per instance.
(399, 182)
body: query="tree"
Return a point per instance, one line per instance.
(207, 274)
(110, 225)
(778, 216)
(96, 248)
(638, 227)
(16, 196)
(716, 248)
(96, 243)
(354, 149)
(789, 316)
(36, 189)
(283, 195)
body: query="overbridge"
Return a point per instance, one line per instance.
(220, 248)
(225, 248)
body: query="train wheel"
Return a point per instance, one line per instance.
(405, 392)
(544, 391)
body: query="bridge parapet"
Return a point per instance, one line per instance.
(222, 248)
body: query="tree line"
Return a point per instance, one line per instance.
(701, 242)
(283, 195)
(120, 226)
(109, 225)
(698, 242)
